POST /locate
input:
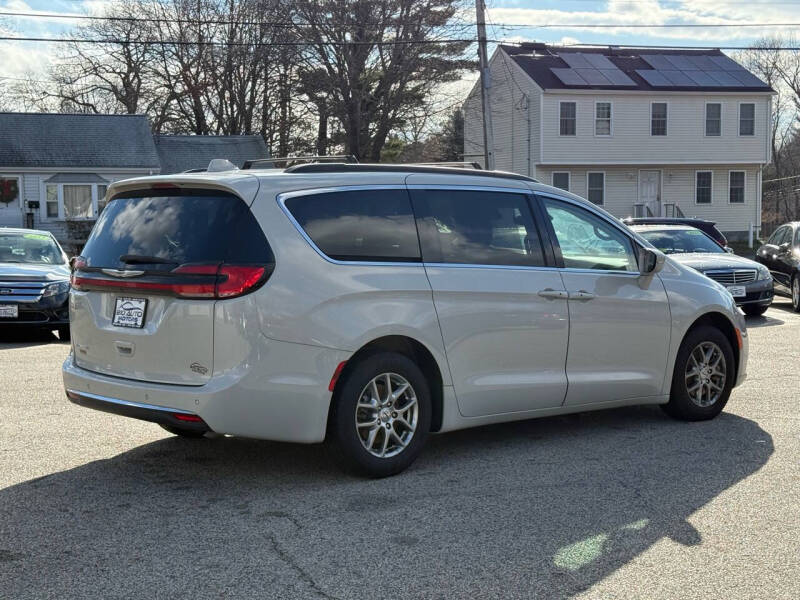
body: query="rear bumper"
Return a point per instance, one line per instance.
(280, 393)
(145, 412)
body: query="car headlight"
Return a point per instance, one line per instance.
(54, 289)
(763, 273)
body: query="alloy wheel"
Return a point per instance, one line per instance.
(796, 292)
(706, 374)
(386, 415)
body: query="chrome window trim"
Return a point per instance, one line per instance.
(129, 403)
(523, 268)
(283, 197)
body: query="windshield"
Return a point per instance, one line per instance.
(681, 241)
(30, 248)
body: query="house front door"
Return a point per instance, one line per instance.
(650, 192)
(10, 201)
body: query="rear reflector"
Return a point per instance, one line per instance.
(739, 338)
(188, 418)
(336, 374)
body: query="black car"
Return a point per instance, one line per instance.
(34, 281)
(781, 255)
(707, 227)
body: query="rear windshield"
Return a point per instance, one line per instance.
(176, 227)
(30, 248)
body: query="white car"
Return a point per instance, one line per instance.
(371, 305)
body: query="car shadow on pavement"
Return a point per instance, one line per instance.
(534, 509)
(20, 337)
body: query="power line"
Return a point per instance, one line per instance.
(243, 44)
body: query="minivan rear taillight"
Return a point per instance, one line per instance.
(212, 281)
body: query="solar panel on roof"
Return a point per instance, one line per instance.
(724, 78)
(568, 76)
(654, 78)
(617, 77)
(678, 78)
(680, 63)
(593, 76)
(576, 60)
(703, 78)
(657, 61)
(726, 64)
(747, 79)
(705, 63)
(598, 61)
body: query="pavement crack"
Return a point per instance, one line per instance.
(286, 557)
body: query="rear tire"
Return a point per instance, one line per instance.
(755, 311)
(380, 415)
(703, 376)
(187, 433)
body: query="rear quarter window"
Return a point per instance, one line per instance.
(359, 225)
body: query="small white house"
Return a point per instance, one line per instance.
(642, 132)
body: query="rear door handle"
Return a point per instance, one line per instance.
(581, 295)
(552, 294)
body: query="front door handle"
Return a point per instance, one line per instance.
(581, 295)
(552, 294)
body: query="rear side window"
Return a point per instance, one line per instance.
(176, 227)
(359, 225)
(477, 227)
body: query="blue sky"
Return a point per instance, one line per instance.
(22, 59)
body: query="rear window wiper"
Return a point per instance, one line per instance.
(139, 259)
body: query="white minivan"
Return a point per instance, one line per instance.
(369, 306)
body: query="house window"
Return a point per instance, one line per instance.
(101, 198)
(702, 188)
(51, 201)
(597, 187)
(713, 119)
(602, 118)
(568, 111)
(561, 180)
(77, 201)
(736, 187)
(747, 119)
(658, 118)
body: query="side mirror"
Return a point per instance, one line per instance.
(650, 261)
(785, 248)
(728, 249)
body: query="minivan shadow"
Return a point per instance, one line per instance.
(541, 508)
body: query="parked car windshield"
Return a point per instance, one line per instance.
(30, 248)
(680, 241)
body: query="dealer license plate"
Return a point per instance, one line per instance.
(9, 311)
(129, 312)
(737, 291)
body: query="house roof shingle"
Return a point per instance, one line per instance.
(76, 141)
(538, 60)
(179, 153)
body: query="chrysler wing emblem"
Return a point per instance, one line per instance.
(122, 273)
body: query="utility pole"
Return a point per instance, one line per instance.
(488, 133)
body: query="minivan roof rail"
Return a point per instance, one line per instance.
(271, 163)
(390, 168)
(455, 164)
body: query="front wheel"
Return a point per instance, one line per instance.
(703, 377)
(796, 293)
(381, 415)
(754, 310)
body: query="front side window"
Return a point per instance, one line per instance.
(736, 187)
(561, 180)
(589, 242)
(702, 191)
(713, 119)
(658, 118)
(359, 225)
(602, 118)
(568, 112)
(747, 119)
(777, 235)
(477, 228)
(596, 188)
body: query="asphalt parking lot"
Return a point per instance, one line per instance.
(614, 504)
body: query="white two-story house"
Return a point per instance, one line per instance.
(641, 132)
